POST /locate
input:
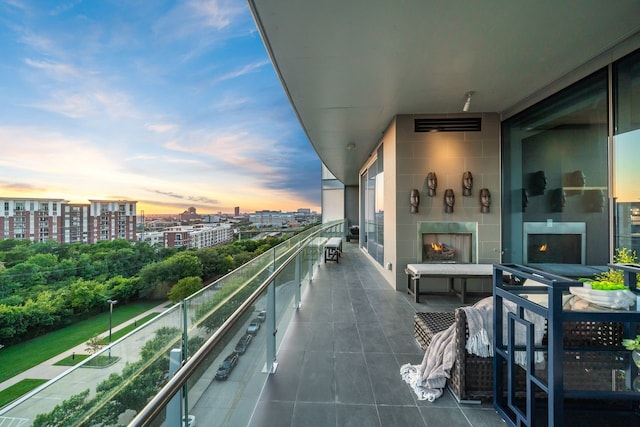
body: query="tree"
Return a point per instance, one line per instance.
(62, 413)
(94, 345)
(185, 287)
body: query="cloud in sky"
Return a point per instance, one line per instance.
(173, 104)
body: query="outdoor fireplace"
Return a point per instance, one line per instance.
(554, 242)
(447, 242)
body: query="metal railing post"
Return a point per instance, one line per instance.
(298, 281)
(271, 328)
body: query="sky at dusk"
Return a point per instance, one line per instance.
(169, 103)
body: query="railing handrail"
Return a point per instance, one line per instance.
(175, 383)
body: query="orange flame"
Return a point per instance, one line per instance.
(543, 248)
(436, 247)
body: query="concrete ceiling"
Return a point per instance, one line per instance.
(349, 66)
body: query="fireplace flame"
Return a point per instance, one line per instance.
(543, 248)
(436, 247)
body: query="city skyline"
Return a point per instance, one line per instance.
(171, 104)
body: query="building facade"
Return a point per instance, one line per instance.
(190, 236)
(39, 220)
(270, 218)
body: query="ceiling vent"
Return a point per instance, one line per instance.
(473, 124)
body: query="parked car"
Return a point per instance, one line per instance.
(262, 316)
(224, 370)
(243, 343)
(253, 327)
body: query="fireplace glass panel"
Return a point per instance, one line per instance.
(447, 247)
(554, 248)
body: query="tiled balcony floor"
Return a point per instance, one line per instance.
(339, 363)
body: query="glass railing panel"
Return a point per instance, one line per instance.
(112, 386)
(117, 380)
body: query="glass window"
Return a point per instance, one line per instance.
(373, 201)
(555, 181)
(626, 149)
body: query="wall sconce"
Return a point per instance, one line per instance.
(467, 103)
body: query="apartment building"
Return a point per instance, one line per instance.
(41, 219)
(270, 218)
(190, 236)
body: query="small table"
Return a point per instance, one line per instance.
(450, 271)
(333, 249)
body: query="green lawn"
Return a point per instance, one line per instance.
(20, 357)
(124, 331)
(18, 389)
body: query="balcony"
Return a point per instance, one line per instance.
(328, 353)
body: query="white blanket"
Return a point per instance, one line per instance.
(430, 377)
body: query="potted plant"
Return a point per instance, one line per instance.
(633, 344)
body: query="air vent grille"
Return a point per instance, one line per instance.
(472, 124)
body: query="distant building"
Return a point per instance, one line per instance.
(39, 220)
(236, 211)
(190, 215)
(190, 236)
(270, 218)
(211, 218)
(111, 220)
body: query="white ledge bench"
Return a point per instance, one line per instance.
(333, 249)
(450, 271)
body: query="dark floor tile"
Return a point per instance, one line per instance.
(372, 338)
(352, 379)
(347, 337)
(271, 414)
(388, 386)
(482, 417)
(320, 336)
(314, 414)
(283, 384)
(434, 416)
(318, 373)
(401, 416)
(357, 416)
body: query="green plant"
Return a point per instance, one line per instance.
(622, 256)
(632, 343)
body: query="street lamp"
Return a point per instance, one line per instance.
(111, 302)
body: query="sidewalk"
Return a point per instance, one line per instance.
(47, 370)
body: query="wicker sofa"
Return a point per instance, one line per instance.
(472, 376)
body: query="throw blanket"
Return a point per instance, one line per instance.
(430, 377)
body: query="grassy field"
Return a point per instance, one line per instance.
(20, 357)
(11, 393)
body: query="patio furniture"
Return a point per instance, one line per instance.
(450, 271)
(585, 363)
(333, 249)
(471, 378)
(354, 233)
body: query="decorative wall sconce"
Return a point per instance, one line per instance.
(485, 200)
(432, 184)
(414, 200)
(449, 200)
(467, 183)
